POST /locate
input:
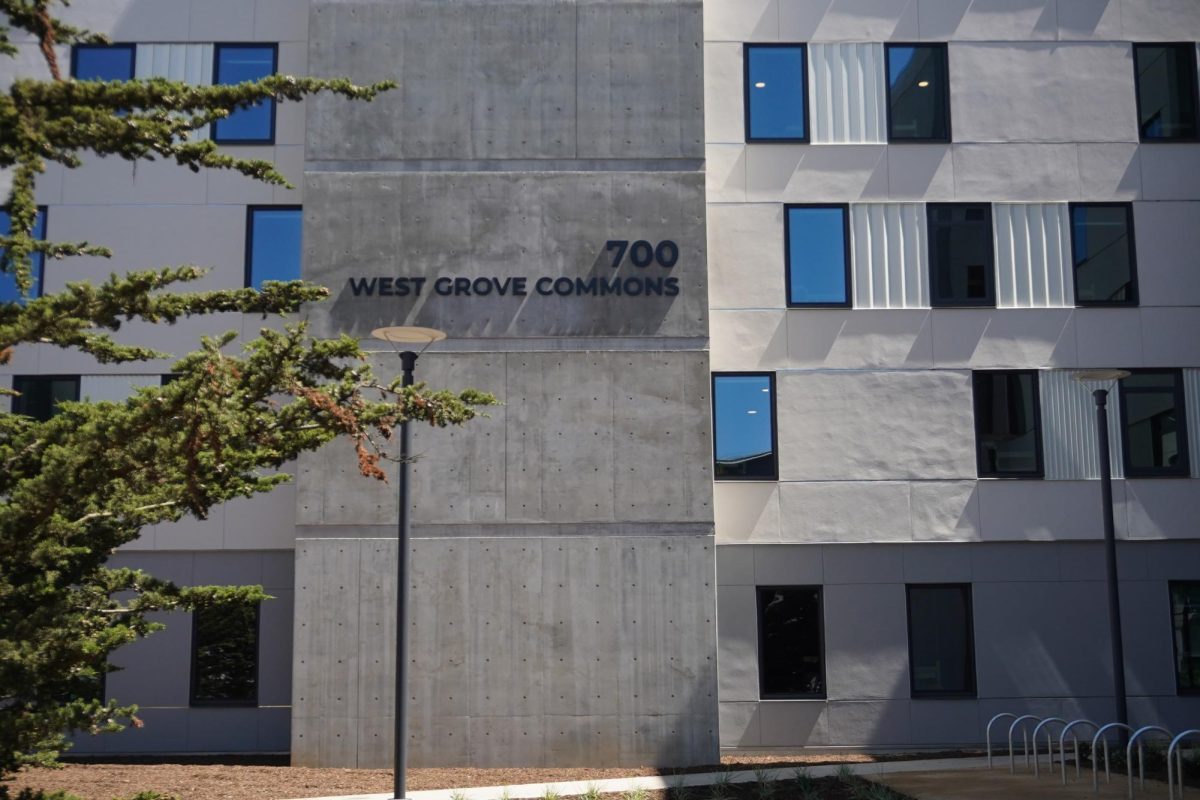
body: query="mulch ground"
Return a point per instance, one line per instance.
(230, 781)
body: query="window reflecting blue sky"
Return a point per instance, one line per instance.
(776, 92)
(8, 284)
(274, 245)
(742, 416)
(237, 65)
(817, 255)
(104, 63)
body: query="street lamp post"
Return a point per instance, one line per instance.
(1110, 537)
(408, 337)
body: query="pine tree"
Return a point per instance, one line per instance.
(79, 485)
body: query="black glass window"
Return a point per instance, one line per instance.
(960, 254)
(818, 256)
(1153, 424)
(1007, 429)
(941, 645)
(8, 282)
(238, 63)
(775, 93)
(791, 647)
(225, 656)
(1103, 254)
(273, 246)
(1185, 624)
(918, 89)
(40, 394)
(103, 62)
(744, 426)
(1166, 91)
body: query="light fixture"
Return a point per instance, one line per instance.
(751, 411)
(1086, 375)
(922, 84)
(406, 334)
(760, 85)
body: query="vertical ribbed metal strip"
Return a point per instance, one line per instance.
(190, 63)
(1033, 247)
(890, 255)
(1069, 442)
(1191, 401)
(847, 93)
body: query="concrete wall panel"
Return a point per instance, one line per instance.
(865, 642)
(1167, 236)
(942, 20)
(859, 339)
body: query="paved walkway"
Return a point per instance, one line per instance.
(999, 784)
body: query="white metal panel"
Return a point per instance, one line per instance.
(1191, 401)
(890, 255)
(1033, 247)
(189, 63)
(1069, 441)
(113, 387)
(847, 93)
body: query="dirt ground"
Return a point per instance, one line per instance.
(216, 781)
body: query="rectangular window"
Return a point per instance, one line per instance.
(103, 62)
(744, 426)
(1103, 254)
(776, 93)
(225, 656)
(818, 256)
(41, 394)
(8, 282)
(238, 63)
(1166, 91)
(961, 266)
(1154, 424)
(272, 244)
(1185, 625)
(791, 645)
(1008, 424)
(918, 93)
(941, 642)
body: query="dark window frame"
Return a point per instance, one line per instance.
(774, 476)
(1180, 690)
(78, 378)
(248, 255)
(758, 613)
(1036, 474)
(217, 48)
(193, 673)
(787, 254)
(1133, 275)
(130, 46)
(1190, 48)
(887, 87)
(989, 274)
(1181, 470)
(968, 591)
(750, 138)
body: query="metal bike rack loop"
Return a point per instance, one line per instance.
(1062, 746)
(1141, 756)
(1012, 761)
(1037, 760)
(1096, 761)
(991, 721)
(1177, 773)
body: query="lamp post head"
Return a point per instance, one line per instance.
(408, 334)
(1100, 375)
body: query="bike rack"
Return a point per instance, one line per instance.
(1141, 756)
(1012, 761)
(1062, 747)
(989, 733)
(1096, 761)
(1178, 771)
(1037, 760)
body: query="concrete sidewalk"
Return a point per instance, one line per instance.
(659, 782)
(999, 784)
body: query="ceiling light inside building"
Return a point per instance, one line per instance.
(760, 85)
(922, 84)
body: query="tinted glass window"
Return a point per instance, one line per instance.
(8, 284)
(1006, 424)
(941, 644)
(818, 258)
(918, 93)
(40, 395)
(775, 92)
(1102, 241)
(225, 656)
(1185, 622)
(237, 64)
(274, 250)
(1166, 91)
(744, 426)
(960, 254)
(1153, 424)
(103, 62)
(790, 645)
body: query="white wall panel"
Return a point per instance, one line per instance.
(190, 63)
(1069, 439)
(890, 254)
(1191, 400)
(113, 387)
(1033, 247)
(847, 93)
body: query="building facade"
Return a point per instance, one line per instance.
(783, 302)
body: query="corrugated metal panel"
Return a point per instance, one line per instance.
(1191, 399)
(847, 93)
(1033, 246)
(1069, 441)
(190, 63)
(113, 387)
(890, 255)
